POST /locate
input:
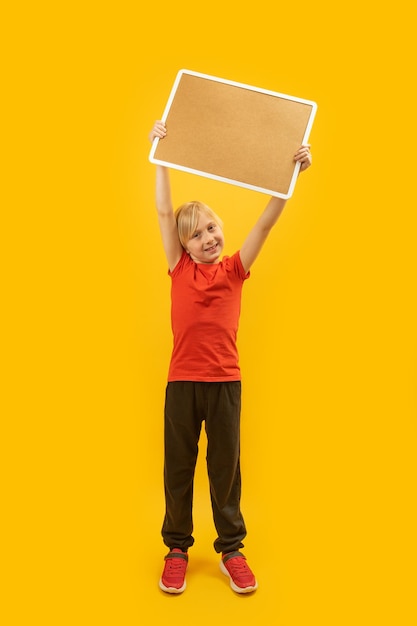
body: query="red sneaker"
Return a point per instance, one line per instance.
(242, 579)
(173, 576)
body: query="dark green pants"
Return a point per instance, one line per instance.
(187, 405)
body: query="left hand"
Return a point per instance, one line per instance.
(158, 130)
(303, 156)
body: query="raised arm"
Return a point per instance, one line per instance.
(259, 233)
(165, 210)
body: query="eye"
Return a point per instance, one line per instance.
(212, 227)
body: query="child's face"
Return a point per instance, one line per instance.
(207, 242)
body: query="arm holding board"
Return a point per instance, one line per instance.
(164, 207)
(259, 233)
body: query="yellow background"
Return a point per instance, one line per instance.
(327, 336)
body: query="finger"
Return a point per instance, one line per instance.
(304, 149)
(302, 152)
(160, 130)
(303, 156)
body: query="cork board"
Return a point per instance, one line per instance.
(234, 133)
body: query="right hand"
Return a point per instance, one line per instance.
(158, 130)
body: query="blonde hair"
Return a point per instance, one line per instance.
(187, 216)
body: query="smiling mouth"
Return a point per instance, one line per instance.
(212, 248)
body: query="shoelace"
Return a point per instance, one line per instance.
(176, 564)
(239, 565)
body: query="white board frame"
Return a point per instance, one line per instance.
(288, 194)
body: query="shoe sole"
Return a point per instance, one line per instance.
(233, 585)
(172, 589)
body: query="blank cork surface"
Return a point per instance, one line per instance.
(233, 132)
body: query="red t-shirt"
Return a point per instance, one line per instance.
(205, 314)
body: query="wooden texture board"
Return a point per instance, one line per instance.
(233, 132)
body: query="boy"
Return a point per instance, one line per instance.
(204, 381)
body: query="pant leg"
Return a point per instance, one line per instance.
(182, 429)
(223, 463)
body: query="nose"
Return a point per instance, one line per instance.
(208, 238)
